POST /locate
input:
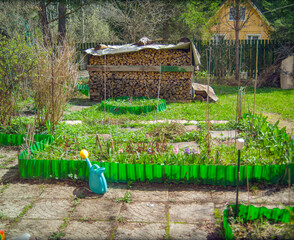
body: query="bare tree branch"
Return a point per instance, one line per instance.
(47, 4)
(64, 15)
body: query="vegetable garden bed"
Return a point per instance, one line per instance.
(145, 162)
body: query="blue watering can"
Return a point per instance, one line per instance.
(97, 181)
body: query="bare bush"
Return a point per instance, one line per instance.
(133, 20)
(55, 81)
(17, 63)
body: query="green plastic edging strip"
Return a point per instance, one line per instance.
(122, 173)
(252, 213)
(18, 139)
(134, 110)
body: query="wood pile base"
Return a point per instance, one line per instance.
(173, 85)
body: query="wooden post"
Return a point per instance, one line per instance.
(255, 84)
(207, 104)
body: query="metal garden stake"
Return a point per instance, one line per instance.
(239, 146)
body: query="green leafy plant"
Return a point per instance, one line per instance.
(56, 236)
(126, 199)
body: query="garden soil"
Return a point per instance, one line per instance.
(69, 210)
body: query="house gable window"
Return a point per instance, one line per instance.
(219, 37)
(233, 13)
(253, 37)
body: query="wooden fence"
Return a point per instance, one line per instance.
(223, 55)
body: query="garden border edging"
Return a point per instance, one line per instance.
(251, 212)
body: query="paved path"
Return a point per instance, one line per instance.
(156, 211)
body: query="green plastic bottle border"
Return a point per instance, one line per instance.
(83, 88)
(134, 110)
(119, 172)
(251, 212)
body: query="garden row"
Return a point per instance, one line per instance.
(144, 162)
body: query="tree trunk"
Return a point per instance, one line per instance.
(237, 19)
(44, 23)
(237, 79)
(61, 21)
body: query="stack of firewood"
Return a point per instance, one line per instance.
(174, 86)
(146, 57)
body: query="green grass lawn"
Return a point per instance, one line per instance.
(270, 100)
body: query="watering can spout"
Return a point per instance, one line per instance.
(89, 163)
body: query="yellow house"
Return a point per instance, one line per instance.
(252, 24)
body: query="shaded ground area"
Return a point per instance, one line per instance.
(273, 118)
(67, 209)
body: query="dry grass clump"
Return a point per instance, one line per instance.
(55, 81)
(167, 131)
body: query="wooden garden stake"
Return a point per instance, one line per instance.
(255, 84)
(239, 147)
(289, 182)
(52, 92)
(104, 83)
(158, 94)
(98, 140)
(207, 104)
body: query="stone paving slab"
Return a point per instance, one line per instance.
(72, 122)
(38, 229)
(144, 212)
(8, 174)
(3, 172)
(143, 231)
(3, 224)
(57, 192)
(130, 129)
(189, 195)
(97, 209)
(225, 142)
(21, 191)
(49, 209)
(13, 207)
(229, 196)
(113, 192)
(284, 196)
(9, 161)
(190, 128)
(191, 212)
(186, 232)
(183, 121)
(188, 208)
(149, 194)
(183, 145)
(223, 134)
(90, 230)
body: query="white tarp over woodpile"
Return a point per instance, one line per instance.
(116, 49)
(201, 89)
